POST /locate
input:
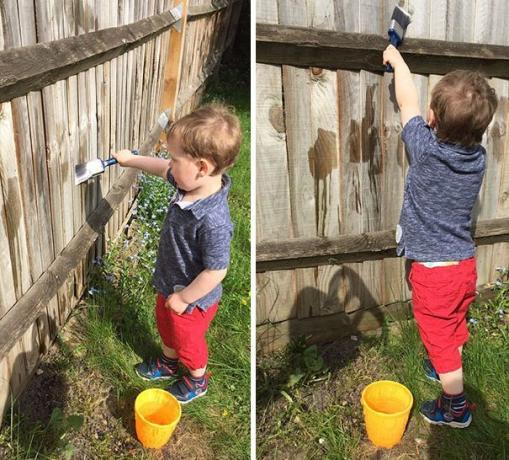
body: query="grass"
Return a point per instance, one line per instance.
(93, 412)
(314, 410)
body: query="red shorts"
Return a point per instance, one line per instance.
(441, 297)
(185, 333)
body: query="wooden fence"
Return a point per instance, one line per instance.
(78, 80)
(331, 164)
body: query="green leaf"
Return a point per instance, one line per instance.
(75, 422)
(56, 416)
(287, 396)
(294, 379)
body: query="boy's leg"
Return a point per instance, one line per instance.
(441, 298)
(169, 352)
(452, 382)
(189, 331)
(165, 366)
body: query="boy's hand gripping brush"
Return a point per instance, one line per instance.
(397, 28)
(93, 168)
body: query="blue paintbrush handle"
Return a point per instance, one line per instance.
(113, 161)
(395, 41)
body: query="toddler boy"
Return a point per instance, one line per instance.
(446, 170)
(194, 247)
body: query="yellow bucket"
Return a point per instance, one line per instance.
(386, 407)
(156, 413)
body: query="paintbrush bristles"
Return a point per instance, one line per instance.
(401, 17)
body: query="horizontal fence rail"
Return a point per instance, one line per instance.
(31, 68)
(195, 12)
(300, 46)
(312, 252)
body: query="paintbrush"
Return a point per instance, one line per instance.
(92, 168)
(397, 28)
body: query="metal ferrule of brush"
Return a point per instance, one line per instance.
(396, 31)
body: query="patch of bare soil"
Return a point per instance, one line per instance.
(339, 394)
(64, 381)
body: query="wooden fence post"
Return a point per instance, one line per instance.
(173, 65)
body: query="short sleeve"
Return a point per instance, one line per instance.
(418, 138)
(170, 178)
(215, 246)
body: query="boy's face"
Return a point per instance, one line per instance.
(188, 172)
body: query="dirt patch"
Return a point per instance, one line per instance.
(302, 428)
(65, 382)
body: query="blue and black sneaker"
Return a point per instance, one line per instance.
(453, 411)
(188, 388)
(161, 368)
(430, 371)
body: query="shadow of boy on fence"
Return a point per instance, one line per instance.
(335, 354)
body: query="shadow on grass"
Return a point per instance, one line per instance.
(125, 314)
(32, 418)
(486, 438)
(325, 329)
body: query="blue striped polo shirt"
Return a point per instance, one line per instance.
(194, 238)
(441, 188)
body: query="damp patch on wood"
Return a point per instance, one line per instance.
(322, 156)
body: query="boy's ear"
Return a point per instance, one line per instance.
(204, 167)
(432, 121)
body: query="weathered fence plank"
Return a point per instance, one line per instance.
(105, 103)
(43, 64)
(301, 46)
(371, 161)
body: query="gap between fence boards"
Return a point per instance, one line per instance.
(29, 307)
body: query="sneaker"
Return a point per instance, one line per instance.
(430, 371)
(186, 389)
(157, 370)
(439, 412)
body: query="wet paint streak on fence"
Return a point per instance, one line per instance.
(111, 103)
(331, 165)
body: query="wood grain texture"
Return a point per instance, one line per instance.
(302, 46)
(173, 65)
(40, 65)
(273, 337)
(212, 7)
(310, 252)
(27, 309)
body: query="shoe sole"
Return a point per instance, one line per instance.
(451, 424)
(196, 397)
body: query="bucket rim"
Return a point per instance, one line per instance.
(401, 412)
(166, 393)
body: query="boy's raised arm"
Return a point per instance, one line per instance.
(406, 92)
(150, 165)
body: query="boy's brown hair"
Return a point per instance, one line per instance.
(212, 132)
(463, 104)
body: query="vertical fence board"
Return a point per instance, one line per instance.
(104, 108)
(372, 162)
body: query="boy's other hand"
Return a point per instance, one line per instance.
(122, 157)
(392, 56)
(176, 303)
